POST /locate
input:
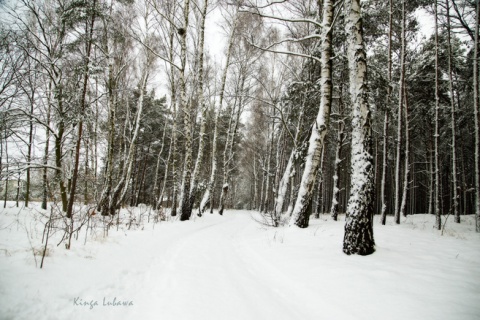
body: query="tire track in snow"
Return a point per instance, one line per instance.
(213, 272)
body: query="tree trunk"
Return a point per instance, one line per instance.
(399, 119)
(118, 195)
(58, 158)
(210, 192)
(269, 160)
(438, 218)
(320, 127)
(228, 152)
(156, 197)
(477, 120)
(88, 48)
(287, 174)
(46, 153)
(336, 181)
(201, 103)
(30, 145)
(173, 151)
(407, 155)
(5, 197)
(385, 125)
(456, 211)
(159, 203)
(338, 153)
(320, 187)
(103, 203)
(359, 221)
(185, 208)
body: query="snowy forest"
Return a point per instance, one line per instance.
(121, 103)
(242, 146)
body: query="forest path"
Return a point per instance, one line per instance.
(213, 270)
(231, 267)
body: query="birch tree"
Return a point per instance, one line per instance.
(185, 208)
(300, 216)
(203, 107)
(116, 63)
(438, 218)
(338, 150)
(358, 237)
(399, 118)
(386, 120)
(456, 210)
(208, 197)
(476, 113)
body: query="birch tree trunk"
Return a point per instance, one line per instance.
(159, 203)
(359, 221)
(438, 218)
(59, 149)
(31, 98)
(103, 203)
(300, 214)
(385, 124)
(157, 169)
(338, 152)
(399, 119)
(407, 155)
(336, 181)
(122, 186)
(46, 150)
(320, 207)
(269, 160)
(185, 209)
(476, 116)
(431, 173)
(201, 103)
(228, 153)
(173, 150)
(208, 197)
(283, 184)
(456, 211)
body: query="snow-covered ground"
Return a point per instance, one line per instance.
(231, 267)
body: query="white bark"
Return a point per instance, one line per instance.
(385, 125)
(384, 170)
(211, 185)
(300, 215)
(111, 104)
(187, 119)
(407, 155)
(476, 115)
(123, 184)
(157, 168)
(231, 134)
(359, 221)
(282, 188)
(438, 220)
(456, 211)
(399, 119)
(283, 184)
(269, 158)
(201, 103)
(338, 160)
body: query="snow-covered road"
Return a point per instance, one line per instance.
(231, 267)
(215, 272)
